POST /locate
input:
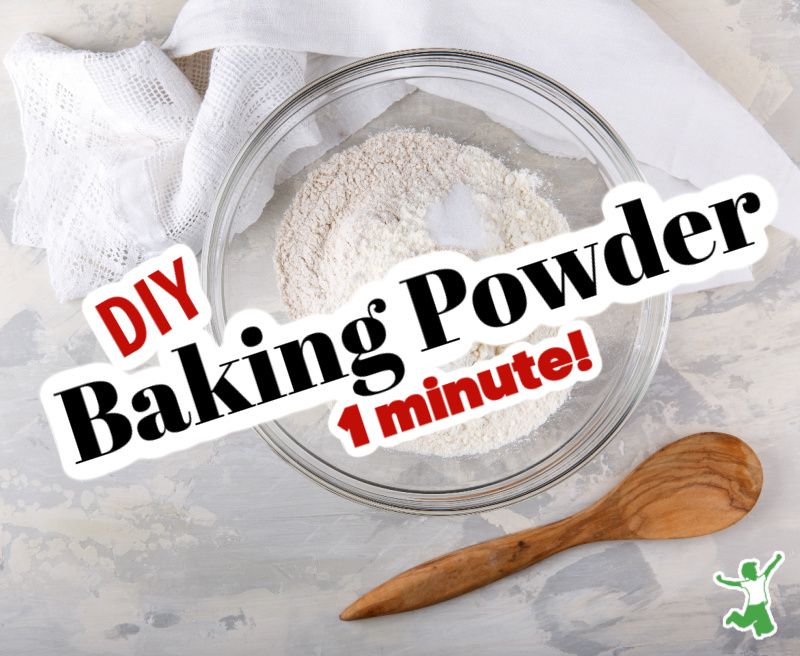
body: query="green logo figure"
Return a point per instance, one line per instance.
(756, 614)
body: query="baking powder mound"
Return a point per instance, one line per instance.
(395, 197)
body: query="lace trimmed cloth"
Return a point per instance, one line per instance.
(125, 151)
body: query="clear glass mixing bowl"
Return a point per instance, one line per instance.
(514, 113)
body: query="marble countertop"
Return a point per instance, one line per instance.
(225, 548)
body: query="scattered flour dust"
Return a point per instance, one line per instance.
(402, 194)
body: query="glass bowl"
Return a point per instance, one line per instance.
(516, 114)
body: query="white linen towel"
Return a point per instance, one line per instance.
(125, 151)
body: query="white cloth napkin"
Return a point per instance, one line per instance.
(126, 150)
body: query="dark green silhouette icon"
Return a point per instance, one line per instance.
(756, 614)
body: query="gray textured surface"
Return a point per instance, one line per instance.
(225, 548)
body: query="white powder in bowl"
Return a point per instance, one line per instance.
(456, 221)
(402, 194)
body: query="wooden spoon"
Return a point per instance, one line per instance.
(695, 486)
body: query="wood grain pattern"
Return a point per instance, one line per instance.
(695, 486)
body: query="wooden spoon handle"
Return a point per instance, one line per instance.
(467, 569)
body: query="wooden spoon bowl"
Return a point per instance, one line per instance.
(695, 486)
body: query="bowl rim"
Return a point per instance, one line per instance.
(652, 326)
